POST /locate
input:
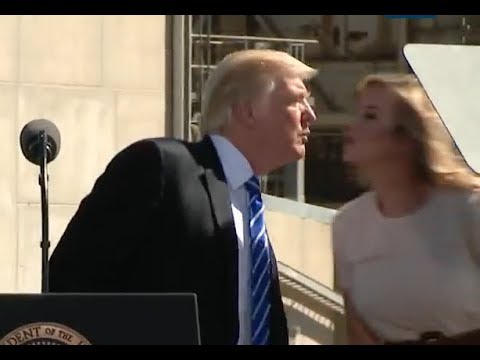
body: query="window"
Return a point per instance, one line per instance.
(328, 182)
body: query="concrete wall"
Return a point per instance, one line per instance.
(300, 235)
(102, 81)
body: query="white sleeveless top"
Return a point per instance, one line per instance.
(415, 273)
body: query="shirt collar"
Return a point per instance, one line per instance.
(236, 167)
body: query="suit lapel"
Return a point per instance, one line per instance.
(214, 181)
(220, 201)
(216, 186)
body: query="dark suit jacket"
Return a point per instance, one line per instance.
(159, 220)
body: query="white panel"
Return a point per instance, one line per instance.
(450, 76)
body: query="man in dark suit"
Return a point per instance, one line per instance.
(172, 216)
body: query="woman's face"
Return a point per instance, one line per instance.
(370, 139)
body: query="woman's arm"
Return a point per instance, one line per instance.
(357, 332)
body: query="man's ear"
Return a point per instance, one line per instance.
(243, 111)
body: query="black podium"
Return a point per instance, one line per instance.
(99, 319)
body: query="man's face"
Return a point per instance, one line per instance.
(282, 120)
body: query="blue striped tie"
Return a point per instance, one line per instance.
(260, 260)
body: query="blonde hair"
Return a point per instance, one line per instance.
(438, 160)
(241, 76)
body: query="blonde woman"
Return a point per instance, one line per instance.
(407, 252)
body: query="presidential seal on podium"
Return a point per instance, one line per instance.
(44, 334)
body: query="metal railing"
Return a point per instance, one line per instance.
(207, 52)
(311, 288)
(245, 39)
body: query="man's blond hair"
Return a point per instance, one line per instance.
(242, 75)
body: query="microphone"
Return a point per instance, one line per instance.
(40, 144)
(31, 143)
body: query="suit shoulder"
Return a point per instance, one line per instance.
(178, 156)
(161, 143)
(153, 146)
(181, 158)
(135, 154)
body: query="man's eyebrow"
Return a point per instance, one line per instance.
(304, 93)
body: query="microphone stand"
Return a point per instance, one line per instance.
(43, 182)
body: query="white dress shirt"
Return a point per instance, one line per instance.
(238, 171)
